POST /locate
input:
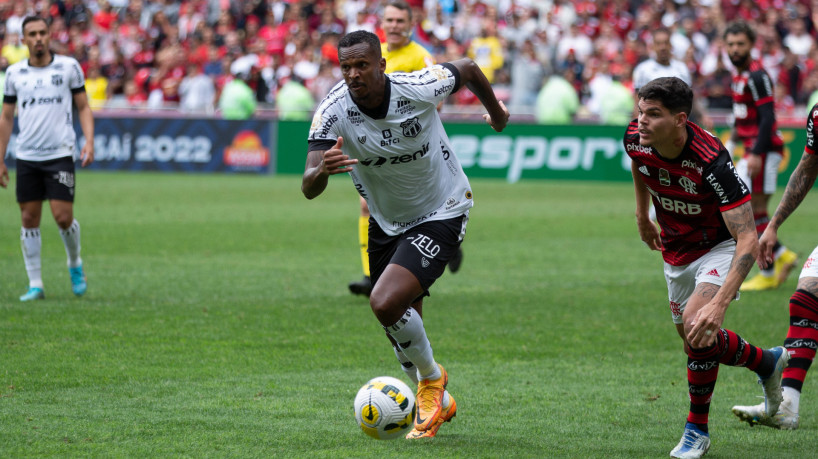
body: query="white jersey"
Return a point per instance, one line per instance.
(44, 98)
(406, 170)
(650, 69)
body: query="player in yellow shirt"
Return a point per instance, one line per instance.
(402, 55)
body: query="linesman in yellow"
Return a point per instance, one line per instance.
(402, 55)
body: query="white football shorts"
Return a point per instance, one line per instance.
(810, 268)
(711, 267)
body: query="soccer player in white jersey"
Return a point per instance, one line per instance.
(42, 88)
(385, 131)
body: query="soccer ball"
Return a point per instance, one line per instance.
(385, 408)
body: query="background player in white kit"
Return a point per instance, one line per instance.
(42, 88)
(385, 131)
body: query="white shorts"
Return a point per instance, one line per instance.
(810, 268)
(766, 179)
(711, 267)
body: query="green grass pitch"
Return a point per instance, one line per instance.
(217, 323)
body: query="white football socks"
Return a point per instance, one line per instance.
(71, 241)
(410, 335)
(407, 366)
(794, 397)
(32, 243)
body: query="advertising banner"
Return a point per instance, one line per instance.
(574, 152)
(179, 145)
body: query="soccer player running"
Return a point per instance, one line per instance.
(755, 126)
(42, 89)
(402, 54)
(802, 336)
(708, 243)
(385, 131)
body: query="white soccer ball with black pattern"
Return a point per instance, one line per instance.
(385, 408)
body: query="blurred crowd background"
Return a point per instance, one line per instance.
(179, 55)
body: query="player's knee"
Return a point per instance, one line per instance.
(384, 308)
(63, 219)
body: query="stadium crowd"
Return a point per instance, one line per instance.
(181, 54)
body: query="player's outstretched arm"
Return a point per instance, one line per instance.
(321, 164)
(799, 184)
(473, 78)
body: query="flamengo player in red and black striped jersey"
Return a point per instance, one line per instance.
(802, 336)
(755, 127)
(708, 242)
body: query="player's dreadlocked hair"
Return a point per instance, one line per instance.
(672, 92)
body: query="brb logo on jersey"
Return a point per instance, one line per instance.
(411, 127)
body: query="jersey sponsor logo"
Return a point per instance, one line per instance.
(443, 90)
(404, 106)
(692, 165)
(398, 224)
(426, 246)
(388, 139)
(664, 177)
(362, 139)
(637, 147)
(397, 159)
(711, 179)
(688, 185)
(411, 127)
(327, 126)
(56, 79)
(30, 102)
(360, 189)
(451, 202)
(679, 207)
(354, 117)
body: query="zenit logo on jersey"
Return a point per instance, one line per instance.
(397, 159)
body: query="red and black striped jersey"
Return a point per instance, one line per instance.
(753, 88)
(812, 118)
(689, 192)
